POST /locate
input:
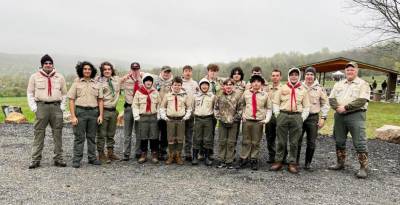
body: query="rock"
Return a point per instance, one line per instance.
(15, 117)
(389, 133)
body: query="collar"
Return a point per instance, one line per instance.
(356, 80)
(315, 83)
(83, 79)
(168, 80)
(51, 73)
(182, 92)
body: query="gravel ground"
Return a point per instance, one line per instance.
(131, 183)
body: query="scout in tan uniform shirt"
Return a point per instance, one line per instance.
(46, 98)
(132, 83)
(86, 106)
(270, 127)
(256, 112)
(176, 107)
(203, 122)
(228, 111)
(191, 87)
(257, 71)
(291, 105)
(318, 103)
(349, 98)
(163, 84)
(110, 84)
(145, 111)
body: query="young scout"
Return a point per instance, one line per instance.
(163, 85)
(257, 71)
(318, 103)
(291, 106)
(203, 122)
(46, 98)
(131, 86)
(145, 108)
(191, 87)
(228, 112)
(239, 87)
(110, 83)
(270, 127)
(349, 98)
(256, 112)
(86, 106)
(176, 107)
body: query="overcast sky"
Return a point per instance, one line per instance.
(175, 32)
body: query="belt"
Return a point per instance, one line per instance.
(253, 120)
(175, 118)
(110, 109)
(312, 114)
(354, 111)
(203, 117)
(127, 105)
(86, 108)
(54, 102)
(148, 115)
(290, 113)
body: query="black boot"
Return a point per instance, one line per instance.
(208, 161)
(241, 164)
(195, 160)
(309, 156)
(254, 164)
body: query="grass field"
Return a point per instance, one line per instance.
(378, 114)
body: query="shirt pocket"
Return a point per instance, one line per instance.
(314, 97)
(94, 90)
(355, 92)
(41, 84)
(80, 90)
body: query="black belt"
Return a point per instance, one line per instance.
(354, 111)
(127, 105)
(203, 117)
(86, 108)
(313, 114)
(175, 118)
(148, 115)
(290, 113)
(253, 120)
(54, 102)
(109, 109)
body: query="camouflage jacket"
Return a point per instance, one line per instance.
(227, 108)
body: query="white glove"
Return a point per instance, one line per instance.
(163, 114)
(31, 102)
(136, 117)
(305, 113)
(158, 116)
(267, 117)
(63, 102)
(135, 114)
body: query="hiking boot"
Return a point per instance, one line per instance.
(95, 162)
(60, 163)
(178, 158)
(221, 165)
(102, 157)
(34, 165)
(276, 166)
(241, 164)
(208, 161)
(125, 158)
(170, 159)
(76, 165)
(195, 160)
(111, 156)
(254, 164)
(143, 158)
(341, 158)
(292, 168)
(363, 159)
(154, 157)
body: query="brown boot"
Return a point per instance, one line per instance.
(111, 155)
(154, 157)
(363, 159)
(178, 158)
(143, 158)
(102, 157)
(292, 168)
(341, 158)
(170, 160)
(276, 166)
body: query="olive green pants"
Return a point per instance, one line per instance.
(176, 131)
(203, 137)
(106, 131)
(252, 133)
(47, 114)
(353, 123)
(227, 141)
(289, 129)
(85, 129)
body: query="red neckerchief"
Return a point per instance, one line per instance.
(48, 76)
(144, 91)
(293, 94)
(136, 84)
(254, 103)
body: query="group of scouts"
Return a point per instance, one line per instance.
(174, 118)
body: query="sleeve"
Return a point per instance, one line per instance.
(216, 108)
(332, 98)
(276, 103)
(163, 108)
(356, 104)
(135, 106)
(365, 91)
(72, 91)
(306, 107)
(30, 92)
(101, 91)
(324, 103)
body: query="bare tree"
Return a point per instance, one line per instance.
(384, 19)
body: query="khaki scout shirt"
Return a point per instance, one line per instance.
(128, 86)
(347, 91)
(204, 104)
(163, 86)
(85, 92)
(110, 101)
(283, 99)
(273, 91)
(318, 98)
(184, 103)
(263, 104)
(227, 108)
(215, 85)
(140, 102)
(240, 87)
(38, 86)
(190, 86)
